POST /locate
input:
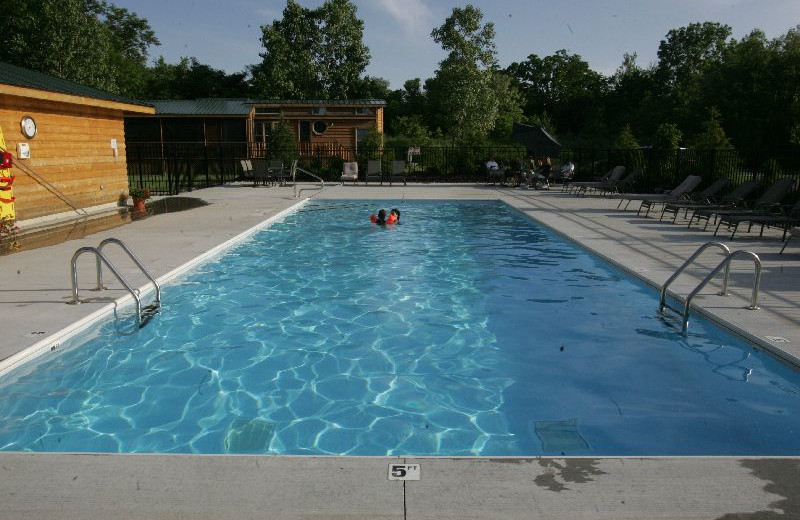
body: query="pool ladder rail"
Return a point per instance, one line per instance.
(143, 314)
(724, 264)
(293, 175)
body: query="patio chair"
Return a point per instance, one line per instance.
(247, 168)
(374, 172)
(707, 196)
(624, 185)
(768, 200)
(398, 172)
(260, 172)
(735, 199)
(677, 193)
(350, 172)
(792, 232)
(613, 175)
(495, 175)
(784, 219)
(275, 172)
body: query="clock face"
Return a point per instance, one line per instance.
(28, 127)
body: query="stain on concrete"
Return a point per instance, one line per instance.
(782, 477)
(511, 460)
(560, 472)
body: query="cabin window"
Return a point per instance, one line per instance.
(305, 131)
(362, 111)
(319, 127)
(361, 134)
(318, 111)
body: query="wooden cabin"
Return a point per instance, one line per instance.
(73, 136)
(327, 127)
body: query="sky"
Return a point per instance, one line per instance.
(226, 34)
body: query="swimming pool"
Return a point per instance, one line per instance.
(466, 330)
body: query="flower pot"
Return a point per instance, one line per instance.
(138, 205)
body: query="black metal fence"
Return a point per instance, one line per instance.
(172, 168)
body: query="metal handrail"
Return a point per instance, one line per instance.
(101, 257)
(726, 264)
(133, 257)
(298, 192)
(663, 302)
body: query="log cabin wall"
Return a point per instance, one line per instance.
(72, 149)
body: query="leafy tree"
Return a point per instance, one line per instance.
(283, 144)
(63, 38)
(410, 131)
(509, 106)
(190, 79)
(668, 137)
(461, 91)
(625, 139)
(713, 135)
(312, 53)
(562, 85)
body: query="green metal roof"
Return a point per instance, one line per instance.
(201, 107)
(242, 106)
(21, 77)
(359, 102)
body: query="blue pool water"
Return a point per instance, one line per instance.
(466, 330)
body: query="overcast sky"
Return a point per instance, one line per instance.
(225, 34)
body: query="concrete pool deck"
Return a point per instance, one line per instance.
(44, 485)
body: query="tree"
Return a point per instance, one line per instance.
(461, 91)
(667, 137)
(190, 79)
(312, 53)
(713, 135)
(63, 38)
(283, 144)
(563, 86)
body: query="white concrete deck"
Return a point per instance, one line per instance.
(84, 486)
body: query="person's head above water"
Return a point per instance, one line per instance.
(382, 215)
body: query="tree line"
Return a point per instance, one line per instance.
(706, 90)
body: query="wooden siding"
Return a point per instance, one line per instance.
(342, 123)
(72, 150)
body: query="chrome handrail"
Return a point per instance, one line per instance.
(298, 192)
(101, 257)
(726, 263)
(663, 302)
(133, 257)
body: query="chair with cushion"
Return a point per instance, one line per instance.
(374, 172)
(350, 172)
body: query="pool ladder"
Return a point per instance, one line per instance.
(726, 265)
(299, 191)
(143, 314)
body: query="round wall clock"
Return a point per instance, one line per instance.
(28, 127)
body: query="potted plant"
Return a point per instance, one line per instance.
(139, 195)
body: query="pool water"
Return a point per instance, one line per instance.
(465, 330)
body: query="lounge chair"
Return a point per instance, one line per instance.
(767, 202)
(398, 172)
(350, 172)
(735, 199)
(785, 219)
(705, 197)
(676, 194)
(613, 175)
(247, 168)
(621, 186)
(689, 196)
(792, 232)
(374, 172)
